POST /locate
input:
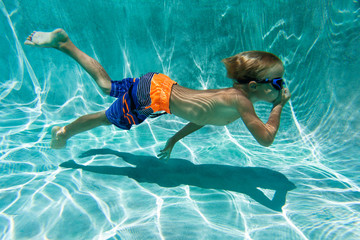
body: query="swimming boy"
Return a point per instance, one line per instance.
(257, 76)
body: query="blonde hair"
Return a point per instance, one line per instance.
(252, 65)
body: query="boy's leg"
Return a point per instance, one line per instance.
(59, 39)
(59, 135)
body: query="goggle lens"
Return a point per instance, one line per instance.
(277, 83)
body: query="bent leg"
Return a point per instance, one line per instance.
(59, 39)
(59, 135)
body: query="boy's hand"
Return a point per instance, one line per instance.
(283, 98)
(165, 153)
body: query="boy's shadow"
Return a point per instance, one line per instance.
(175, 172)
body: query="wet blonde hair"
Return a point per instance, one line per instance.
(252, 65)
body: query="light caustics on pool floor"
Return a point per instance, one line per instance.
(42, 88)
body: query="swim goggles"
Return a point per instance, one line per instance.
(277, 83)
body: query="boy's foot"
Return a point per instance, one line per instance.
(58, 139)
(54, 39)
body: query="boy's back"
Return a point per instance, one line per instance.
(206, 107)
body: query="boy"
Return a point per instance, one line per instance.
(256, 75)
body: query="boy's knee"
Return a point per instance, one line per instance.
(104, 119)
(106, 90)
(106, 122)
(105, 86)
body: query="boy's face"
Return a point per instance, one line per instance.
(266, 91)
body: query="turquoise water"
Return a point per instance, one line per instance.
(203, 193)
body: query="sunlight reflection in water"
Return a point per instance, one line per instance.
(314, 147)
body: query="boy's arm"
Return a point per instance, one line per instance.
(189, 128)
(264, 133)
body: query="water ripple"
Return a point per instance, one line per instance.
(316, 147)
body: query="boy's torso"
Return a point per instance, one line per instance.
(206, 107)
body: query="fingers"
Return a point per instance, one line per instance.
(160, 154)
(285, 96)
(164, 155)
(286, 93)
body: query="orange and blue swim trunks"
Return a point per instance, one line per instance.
(138, 98)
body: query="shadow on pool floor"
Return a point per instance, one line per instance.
(175, 172)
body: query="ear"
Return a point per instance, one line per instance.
(252, 85)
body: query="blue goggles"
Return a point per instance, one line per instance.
(277, 83)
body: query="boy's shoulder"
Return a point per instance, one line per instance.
(238, 99)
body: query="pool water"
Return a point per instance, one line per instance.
(208, 189)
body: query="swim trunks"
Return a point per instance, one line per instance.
(138, 98)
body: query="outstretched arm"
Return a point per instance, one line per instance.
(189, 128)
(264, 133)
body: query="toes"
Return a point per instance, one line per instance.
(27, 42)
(29, 39)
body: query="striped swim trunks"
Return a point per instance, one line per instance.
(138, 98)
